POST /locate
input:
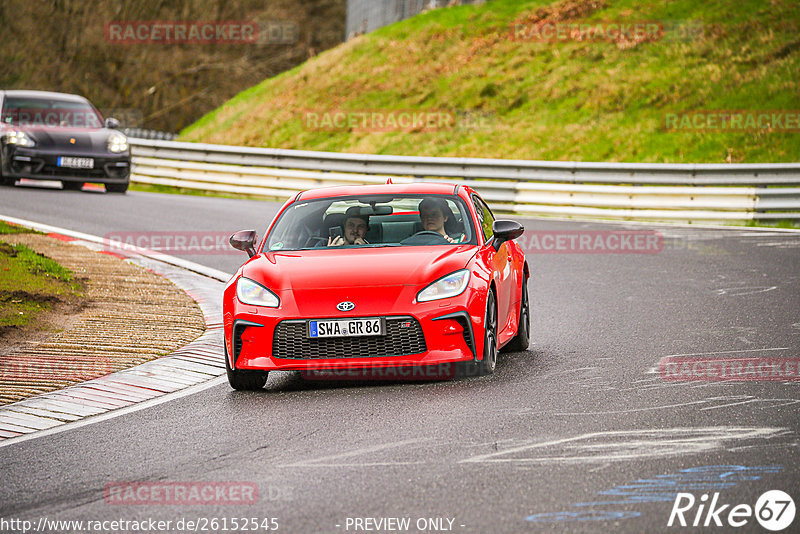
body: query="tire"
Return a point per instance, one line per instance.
(245, 380)
(487, 364)
(117, 188)
(72, 186)
(521, 341)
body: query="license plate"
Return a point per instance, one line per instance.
(76, 163)
(372, 326)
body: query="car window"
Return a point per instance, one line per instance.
(49, 112)
(485, 217)
(408, 220)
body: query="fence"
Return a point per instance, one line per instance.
(644, 191)
(364, 16)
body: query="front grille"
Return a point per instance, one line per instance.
(105, 172)
(403, 337)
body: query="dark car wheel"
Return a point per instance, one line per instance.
(72, 186)
(3, 179)
(489, 361)
(245, 380)
(523, 338)
(117, 188)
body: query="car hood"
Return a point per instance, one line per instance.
(354, 267)
(84, 138)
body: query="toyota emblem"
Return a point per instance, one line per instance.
(345, 306)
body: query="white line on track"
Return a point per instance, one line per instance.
(116, 413)
(725, 352)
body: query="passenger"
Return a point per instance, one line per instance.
(435, 214)
(356, 227)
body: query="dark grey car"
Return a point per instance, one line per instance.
(57, 136)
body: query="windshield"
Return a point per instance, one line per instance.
(378, 221)
(49, 112)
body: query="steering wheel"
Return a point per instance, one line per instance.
(422, 238)
(316, 241)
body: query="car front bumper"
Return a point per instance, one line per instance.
(425, 334)
(42, 164)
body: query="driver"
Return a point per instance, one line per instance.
(356, 226)
(434, 214)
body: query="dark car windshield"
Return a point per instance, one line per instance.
(373, 221)
(47, 112)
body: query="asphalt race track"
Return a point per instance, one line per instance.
(587, 431)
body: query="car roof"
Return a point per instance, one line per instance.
(417, 188)
(44, 94)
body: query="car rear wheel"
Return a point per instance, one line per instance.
(489, 361)
(72, 186)
(117, 188)
(245, 380)
(523, 338)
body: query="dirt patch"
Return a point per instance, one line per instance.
(562, 11)
(127, 316)
(60, 317)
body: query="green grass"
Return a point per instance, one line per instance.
(30, 283)
(579, 101)
(8, 228)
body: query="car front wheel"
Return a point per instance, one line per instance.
(489, 361)
(523, 338)
(72, 186)
(117, 188)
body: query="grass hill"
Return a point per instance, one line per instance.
(516, 94)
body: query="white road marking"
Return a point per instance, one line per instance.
(724, 352)
(325, 461)
(601, 447)
(116, 413)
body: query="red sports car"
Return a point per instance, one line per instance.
(377, 276)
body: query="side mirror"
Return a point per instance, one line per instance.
(112, 123)
(245, 240)
(505, 230)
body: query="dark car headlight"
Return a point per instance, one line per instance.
(19, 138)
(117, 143)
(448, 286)
(251, 292)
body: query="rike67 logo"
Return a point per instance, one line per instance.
(774, 511)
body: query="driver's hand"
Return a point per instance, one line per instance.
(450, 239)
(359, 241)
(336, 242)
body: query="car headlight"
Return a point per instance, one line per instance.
(16, 137)
(253, 293)
(117, 143)
(448, 286)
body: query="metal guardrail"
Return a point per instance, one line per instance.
(646, 191)
(144, 133)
